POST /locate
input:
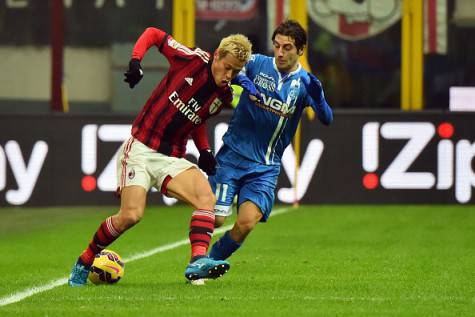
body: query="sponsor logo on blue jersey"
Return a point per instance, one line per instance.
(276, 106)
(265, 81)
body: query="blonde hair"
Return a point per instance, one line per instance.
(237, 45)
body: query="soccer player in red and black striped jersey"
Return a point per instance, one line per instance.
(195, 88)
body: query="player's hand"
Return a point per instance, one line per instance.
(207, 162)
(247, 84)
(314, 87)
(134, 74)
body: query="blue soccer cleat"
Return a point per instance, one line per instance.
(78, 275)
(205, 268)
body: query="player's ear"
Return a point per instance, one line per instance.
(300, 51)
(216, 55)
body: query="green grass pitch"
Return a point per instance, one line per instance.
(311, 261)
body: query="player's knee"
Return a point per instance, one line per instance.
(245, 227)
(128, 218)
(128, 221)
(241, 230)
(219, 221)
(206, 201)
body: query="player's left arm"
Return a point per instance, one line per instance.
(316, 99)
(200, 137)
(151, 36)
(206, 161)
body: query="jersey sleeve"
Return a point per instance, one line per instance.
(323, 110)
(320, 106)
(150, 37)
(167, 45)
(228, 99)
(200, 137)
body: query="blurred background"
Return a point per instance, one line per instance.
(62, 65)
(355, 47)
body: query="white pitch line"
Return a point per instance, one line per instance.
(16, 297)
(19, 296)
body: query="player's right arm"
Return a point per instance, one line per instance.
(175, 52)
(150, 37)
(166, 44)
(206, 161)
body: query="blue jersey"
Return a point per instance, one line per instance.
(262, 131)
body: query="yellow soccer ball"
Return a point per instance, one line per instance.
(108, 268)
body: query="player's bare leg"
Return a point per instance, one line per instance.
(192, 187)
(132, 206)
(219, 221)
(131, 211)
(249, 215)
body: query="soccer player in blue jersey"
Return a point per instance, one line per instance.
(260, 130)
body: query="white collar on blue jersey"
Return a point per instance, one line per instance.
(282, 78)
(299, 67)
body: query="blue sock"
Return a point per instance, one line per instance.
(224, 247)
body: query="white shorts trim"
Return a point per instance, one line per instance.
(224, 211)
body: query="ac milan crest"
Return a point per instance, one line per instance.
(131, 174)
(215, 105)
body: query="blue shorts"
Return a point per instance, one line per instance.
(237, 175)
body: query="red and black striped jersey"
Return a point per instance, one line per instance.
(183, 100)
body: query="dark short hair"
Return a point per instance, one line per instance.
(294, 30)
